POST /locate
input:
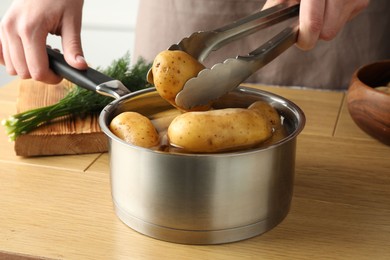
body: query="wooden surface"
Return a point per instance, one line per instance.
(70, 135)
(59, 207)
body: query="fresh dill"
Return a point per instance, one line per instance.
(79, 101)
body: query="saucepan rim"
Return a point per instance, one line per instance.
(296, 110)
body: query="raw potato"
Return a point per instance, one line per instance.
(170, 71)
(268, 111)
(219, 130)
(135, 128)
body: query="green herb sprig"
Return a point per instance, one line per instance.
(79, 101)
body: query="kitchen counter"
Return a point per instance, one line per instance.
(60, 207)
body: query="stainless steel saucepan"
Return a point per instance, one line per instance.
(195, 198)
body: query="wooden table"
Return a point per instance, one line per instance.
(60, 207)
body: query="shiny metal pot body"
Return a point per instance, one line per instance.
(202, 198)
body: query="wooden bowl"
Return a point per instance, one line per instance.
(368, 106)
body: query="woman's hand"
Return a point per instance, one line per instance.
(322, 19)
(23, 32)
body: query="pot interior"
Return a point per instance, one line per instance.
(149, 103)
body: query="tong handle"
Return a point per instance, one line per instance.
(211, 84)
(272, 48)
(249, 25)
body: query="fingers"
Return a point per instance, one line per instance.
(1, 52)
(23, 50)
(24, 53)
(311, 20)
(324, 19)
(71, 41)
(73, 52)
(6, 57)
(337, 14)
(334, 20)
(37, 60)
(15, 60)
(361, 5)
(23, 32)
(270, 3)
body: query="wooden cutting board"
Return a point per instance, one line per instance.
(68, 135)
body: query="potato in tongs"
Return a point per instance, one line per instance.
(199, 86)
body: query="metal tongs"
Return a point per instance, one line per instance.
(212, 83)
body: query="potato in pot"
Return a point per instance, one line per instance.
(219, 130)
(268, 111)
(135, 128)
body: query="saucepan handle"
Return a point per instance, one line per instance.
(88, 78)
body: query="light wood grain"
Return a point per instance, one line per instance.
(340, 210)
(70, 216)
(69, 135)
(321, 107)
(78, 163)
(340, 170)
